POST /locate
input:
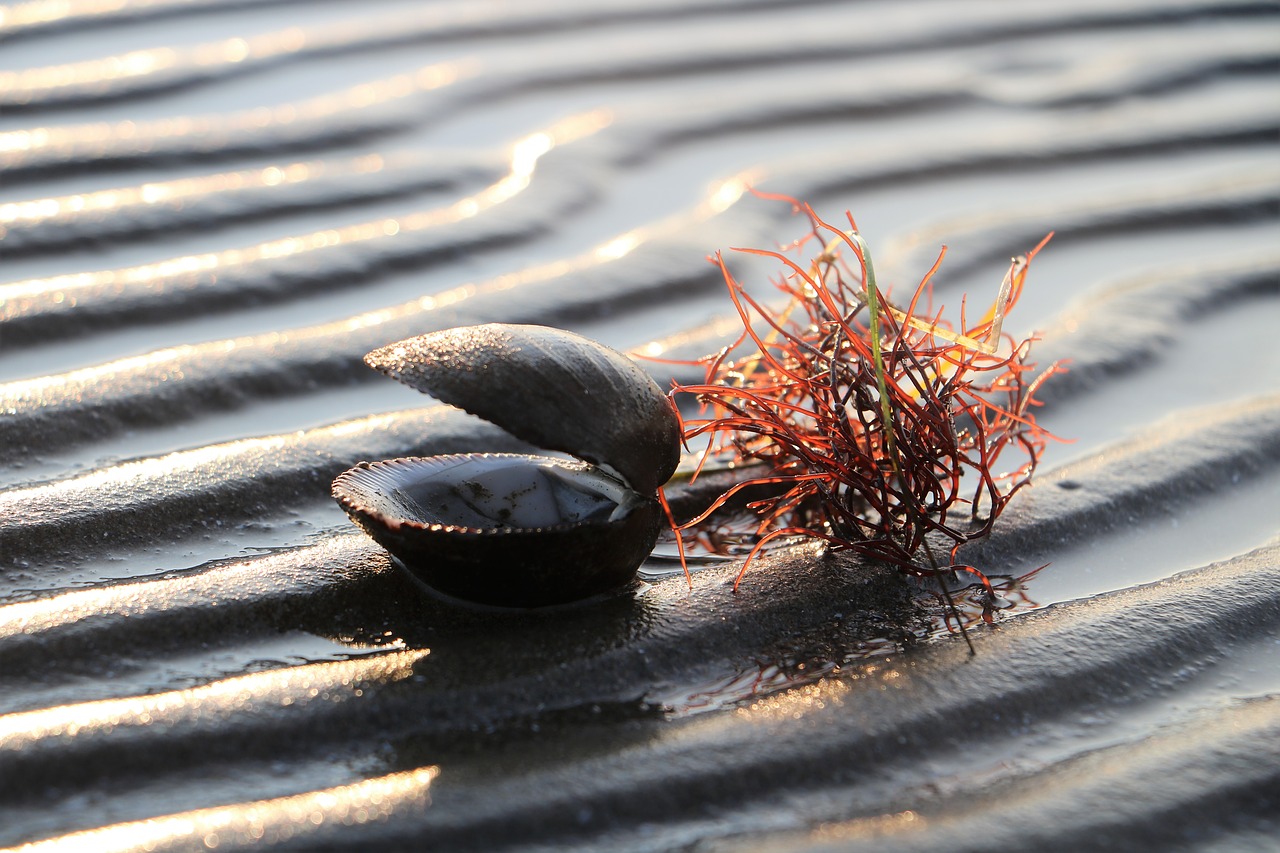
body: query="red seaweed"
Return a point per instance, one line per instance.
(880, 428)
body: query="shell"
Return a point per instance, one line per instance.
(549, 387)
(515, 529)
(506, 529)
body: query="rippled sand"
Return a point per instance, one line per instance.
(210, 209)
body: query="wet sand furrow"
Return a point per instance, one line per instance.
(361, 112)
(170, 498)
(299, 819)
(1205, 782)
(119, 627)
(1202, 782)
(164, 70)
(831, 174)
(1120, 327)
(1203, 452)
(52, 18)
(1248, 195)
(183, 205)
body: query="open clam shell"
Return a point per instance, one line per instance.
(505, 529)
(514, 529)
(549, 387)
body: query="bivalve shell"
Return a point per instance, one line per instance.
(569, 531)
(523, 530)
(549, 387)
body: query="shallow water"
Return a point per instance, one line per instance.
(190, 628)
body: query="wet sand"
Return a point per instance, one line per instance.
(209, 211)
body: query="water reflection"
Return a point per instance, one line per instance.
(802, 670)
(814, 671)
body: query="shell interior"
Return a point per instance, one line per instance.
(489, 492)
